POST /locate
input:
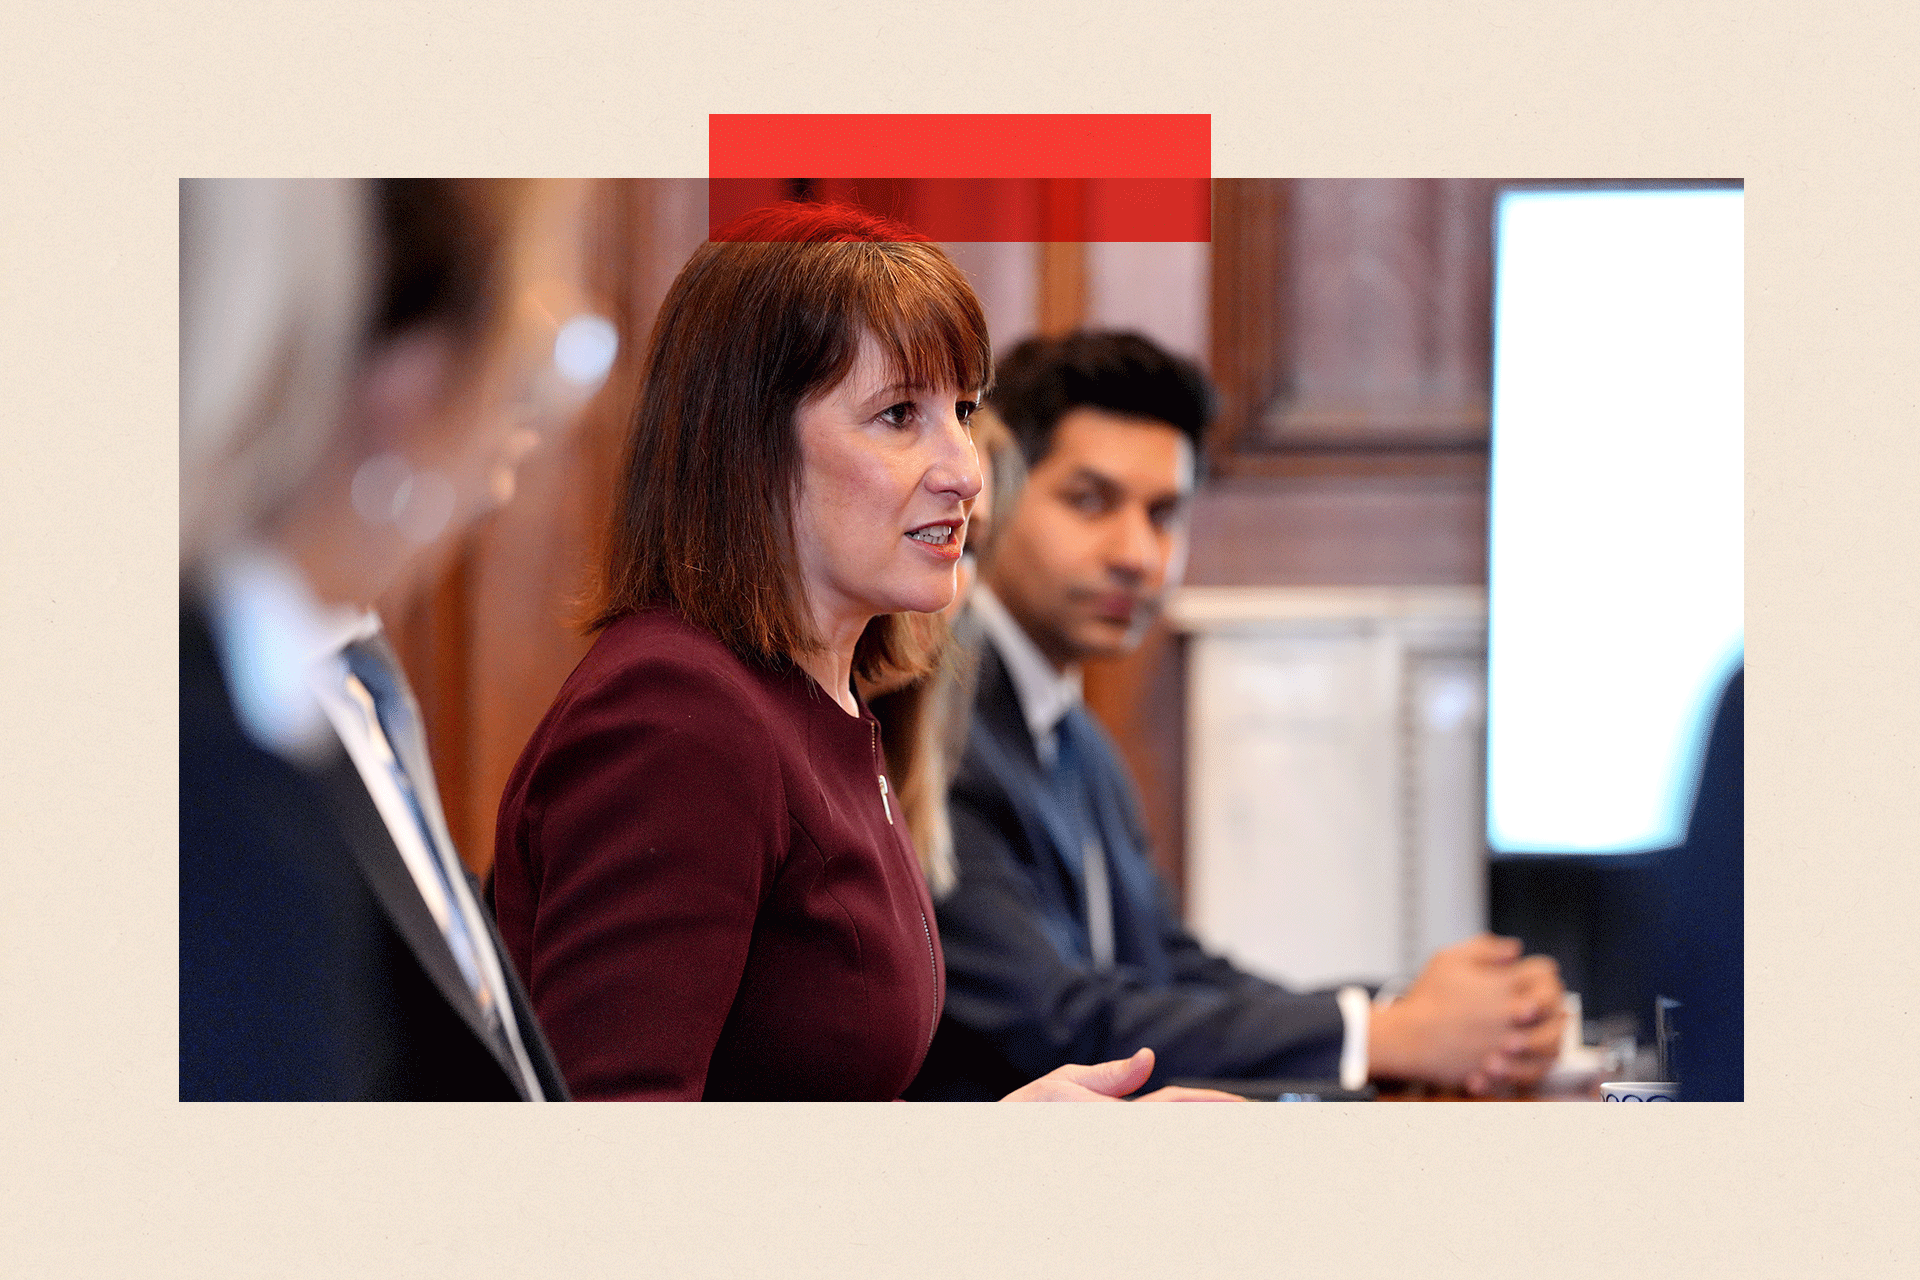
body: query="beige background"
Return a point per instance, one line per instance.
(105, 1175)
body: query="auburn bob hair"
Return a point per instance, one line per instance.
(764, 317)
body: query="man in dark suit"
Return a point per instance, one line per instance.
(332, 945)
(1060, 940)
(310, 964)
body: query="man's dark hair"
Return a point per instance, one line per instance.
(1043, 379)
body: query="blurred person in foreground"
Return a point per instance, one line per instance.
(363, 363)
(700, 864)
(1061, 940)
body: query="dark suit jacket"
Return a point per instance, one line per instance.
(1701, 887)
(1022, 994)
(310, 967)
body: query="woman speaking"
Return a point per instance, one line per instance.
(700, 866)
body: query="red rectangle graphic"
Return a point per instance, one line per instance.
(995, 209)
(960, 146)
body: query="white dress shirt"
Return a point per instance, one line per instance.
(266, 628)
(1045, 694)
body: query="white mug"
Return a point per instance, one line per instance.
(1639, 1091)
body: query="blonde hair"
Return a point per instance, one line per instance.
(925, 721)
(274, 293)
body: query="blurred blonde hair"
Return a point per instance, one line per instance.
(274, 290)
(1006, 474)
(924, 722)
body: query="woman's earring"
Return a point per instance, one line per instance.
(389, 491)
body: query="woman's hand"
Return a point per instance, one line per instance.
(1109, 1082)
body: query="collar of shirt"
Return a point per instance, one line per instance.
(268, 630)
(327, 662)
(327, 672)
(1045, 695)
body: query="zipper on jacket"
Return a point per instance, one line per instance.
(934, 1025)
(880, 774)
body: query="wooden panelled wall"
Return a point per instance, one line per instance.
(1352, 327)
(1351, 323)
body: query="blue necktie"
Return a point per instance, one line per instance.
(398, 723)
(1073, 784)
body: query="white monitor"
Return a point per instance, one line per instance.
(1614, 581)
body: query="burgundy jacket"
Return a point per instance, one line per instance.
(705, 887)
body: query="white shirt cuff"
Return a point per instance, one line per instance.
(1355, 1008)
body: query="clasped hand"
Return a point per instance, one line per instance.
(1479, 1016)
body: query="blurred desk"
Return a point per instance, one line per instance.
(1583, 1088)
(1579, 1089)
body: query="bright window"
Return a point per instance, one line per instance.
(1615, 578)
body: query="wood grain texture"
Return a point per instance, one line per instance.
(1351, 347)
(1062, 299)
